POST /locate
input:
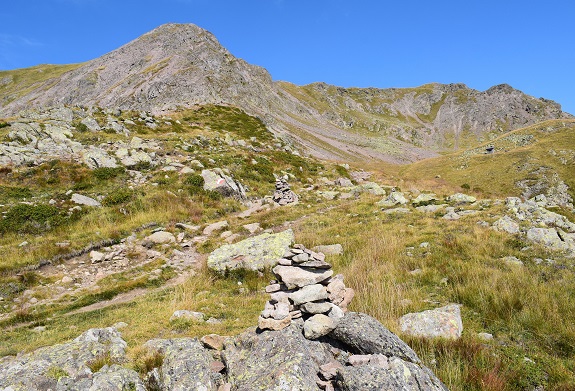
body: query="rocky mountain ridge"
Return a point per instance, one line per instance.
(178, 66)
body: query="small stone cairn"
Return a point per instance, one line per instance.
(305, 288)
(283, 195)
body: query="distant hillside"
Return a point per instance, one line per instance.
(537, 159)
(178, 66)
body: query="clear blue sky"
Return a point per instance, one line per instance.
(527, 44)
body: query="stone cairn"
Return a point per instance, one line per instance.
(283, 194)
(305, 288)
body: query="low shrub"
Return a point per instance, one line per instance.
(105, 173)
(118, 196)
(15, 192)
(32, 219)
(194, 180)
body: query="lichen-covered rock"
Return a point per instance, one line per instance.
(394, 198)
(460, 198)
(186, 364)
(366, 335)
(424, 199)
(91, 124)
(444, 322)
(400, 375)
(217, 180)
(549, 237)
(253, 253)
(368, 187)
(506, 224)
(95, 157)
(274, 360)
(32, 371)
(112, 378)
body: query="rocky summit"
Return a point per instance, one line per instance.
(172, 218)
(179, 66)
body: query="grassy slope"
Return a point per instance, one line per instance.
(20, 82)
(528, 310)
(496, 174)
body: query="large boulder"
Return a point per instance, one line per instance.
(255, 253)
(394, 198)
(186, 364)
(366, 335)
(95, 157)
(34, 371)
(397, 375)
(551, 238)
(217, 180)
(274, 360)
(506, 224)
(444, 322)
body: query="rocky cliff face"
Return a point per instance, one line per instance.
(169, 67)
(178, 65)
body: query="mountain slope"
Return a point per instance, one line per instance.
(178, 66)
(537, 159)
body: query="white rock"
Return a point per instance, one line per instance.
(83, 200)
(185, 314)
(318, 326)
(160, 237)
(210, 229)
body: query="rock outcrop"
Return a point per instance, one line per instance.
(223, 183)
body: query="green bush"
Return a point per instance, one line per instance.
(80, 127)
(142, 166)
(105, 173)
(4, 125)
(56, 373)
(194, 180)
(118, 196)
(342, 171)
(31, 219)
(15, 192)
(466, 186)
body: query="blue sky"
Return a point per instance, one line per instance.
(527, 44)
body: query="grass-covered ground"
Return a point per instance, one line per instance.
(528, 309)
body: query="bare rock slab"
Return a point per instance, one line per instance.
(444, 322)
(274, 360)
(400, 375)
(186, 364)
(253, 253)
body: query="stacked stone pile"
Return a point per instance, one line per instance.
(283, 195)
(305, 288)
